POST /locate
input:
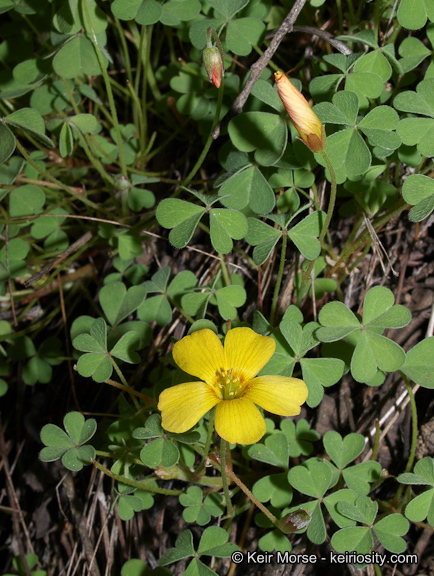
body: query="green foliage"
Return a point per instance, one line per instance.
(136, 567)
(422, 506)
(198, 511)
(388, 530)
(214, 542)
(32, 560)
(163, 451)
(98, 361)
(141, 203)
(183, 217)
(71, 445)
(372, 351)
(419, 191)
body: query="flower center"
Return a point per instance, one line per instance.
(229, 384)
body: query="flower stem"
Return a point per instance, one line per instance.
(224, 268)
(329, 215)
(249, 494)
(210, 136)
(124, 382)
(279, 276)
(413, 424)
(225, 456)
(414, 431)
(207, 443)
(134, 483)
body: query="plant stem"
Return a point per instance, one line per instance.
(108, 87)
(224, 456)
(364, 236)
(124, 382)
(139, 485)
(208, 143)
(60, 184)
(329, 215)
(411, 456)
(279, 276)
(207, 442)
(224, 268)
(250, 495)
(413, 424)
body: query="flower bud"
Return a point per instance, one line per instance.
(305, 120)
(212, 61)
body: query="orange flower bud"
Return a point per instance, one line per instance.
(305, 120)
(213, 65)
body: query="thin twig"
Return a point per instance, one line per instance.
(45, 269)
(324, 34)
(259, 66)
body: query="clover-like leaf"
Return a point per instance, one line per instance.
(305, 235)
(373, 351)
(261, 132)
(331, 501)
(214, 542)
(274, 451)
(412, 14)
(346, 149)
(77, 56)
(26, 200)
(31, 121)
(160, 452)
(364, 510)
(118, 303)
(248, 187)
(69, 445)
(419, 191)
(300, 437)
(180, 216)
(274, 488)
(389, 530)
(228, 299)
(422, 506)
(183, 549)
(198, 511)
(343, 450)
(353, 539)
(359, 477)
(313, 480)
(225, 225)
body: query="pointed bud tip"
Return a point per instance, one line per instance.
(212, 61)
(305, 120)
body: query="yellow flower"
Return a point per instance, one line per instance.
(305, 120)
(228, 381)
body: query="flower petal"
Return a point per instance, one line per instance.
(201, 354)
(305, 120)
(247, 351)
(182, 406)
(239, 421)
(278, 394)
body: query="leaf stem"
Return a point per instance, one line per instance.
(59, 183)
(139, 485)
(207, 442)
(210, 139)
(124, 382)
(414, 428)
(279, 276)
(251, 497)
(225, 458)
(329, 215)
(108, 87)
